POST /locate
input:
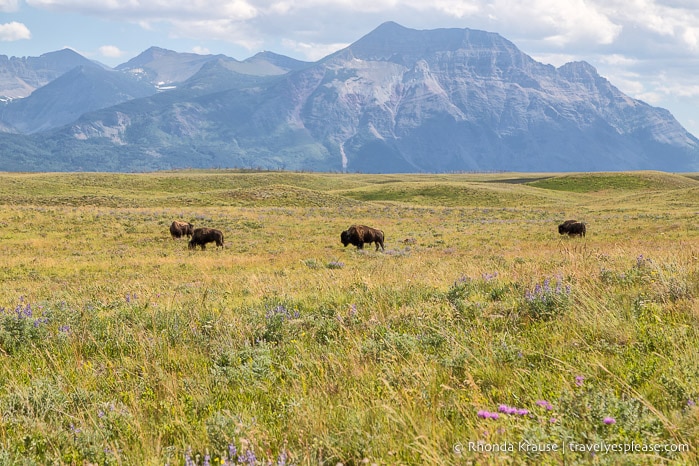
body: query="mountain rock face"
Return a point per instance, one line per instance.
(397, 100)
(19, 77)
(82, 89)
(166, 68)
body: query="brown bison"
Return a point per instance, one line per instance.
(201, 236)
(572, 228)
(357, 235)
(179, 229)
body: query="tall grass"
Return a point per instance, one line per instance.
(478, 329)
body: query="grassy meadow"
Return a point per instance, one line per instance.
(479, 336)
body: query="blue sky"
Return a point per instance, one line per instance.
(647, 48)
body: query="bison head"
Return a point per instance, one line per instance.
(344, 237)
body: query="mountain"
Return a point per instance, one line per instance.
(396, 100)
(19, 77)
(61, 101)
(90, 86)
(167, 68)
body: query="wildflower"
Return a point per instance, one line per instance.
(609, 420)
(488, 415)
(522, 412)
(553, 420)
(544, 404)
(249, 458)
(461, 280)
(188, 461)
(579, 380)
(281, 460)
(280, 310)
(336, 265)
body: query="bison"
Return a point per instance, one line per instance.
(179, 229)
(357, 235)
(572, 228)
(201, 236)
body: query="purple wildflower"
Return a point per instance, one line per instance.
(579, 380)
(188, 461)
(522, 412)
(609, 420)
(544, 404)
(336, 265)
(281, 460)
(248, 458)
(488, 415)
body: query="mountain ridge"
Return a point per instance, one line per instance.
(395, 100)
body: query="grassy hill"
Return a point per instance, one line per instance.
(122, 346)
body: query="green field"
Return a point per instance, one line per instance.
(479, 336)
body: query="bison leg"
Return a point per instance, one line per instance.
(360, 245)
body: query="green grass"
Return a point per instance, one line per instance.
(593, 182)
(121, 346)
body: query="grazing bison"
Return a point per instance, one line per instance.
(179, 229)
(201, 236)
(572, 228)
(357, 235)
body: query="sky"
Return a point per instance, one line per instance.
(649, 49)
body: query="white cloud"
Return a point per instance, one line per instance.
(201, 50)
(235, 32)
(14, 31)
(154, 10)
(8, 6)
(615, 59)
(110, 51)
(691, 37)
(312, 51)
(558, 23)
